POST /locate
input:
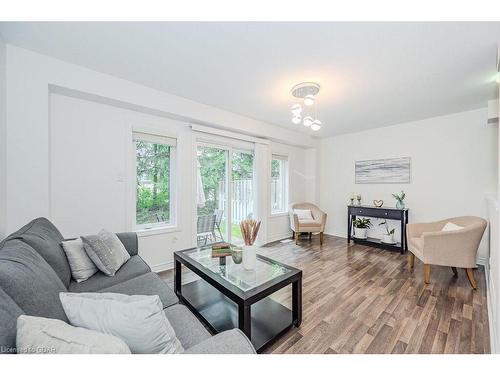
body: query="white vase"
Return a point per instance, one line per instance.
(388, 238)
(249, 257)
(360, 232)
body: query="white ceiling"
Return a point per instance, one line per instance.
(372, 74)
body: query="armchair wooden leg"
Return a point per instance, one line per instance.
(310, 236)
(321, 238)
(470, 276)
(296, 238)
(411, 260)
(427, 273)
(455, 272)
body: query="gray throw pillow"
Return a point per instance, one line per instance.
(81, 265)
(106, 251)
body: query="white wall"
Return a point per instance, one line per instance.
(453, 167)
(493, 268)
(68, 157)
(92, 179)
(302, 185)
(30, 76)
(3, 136)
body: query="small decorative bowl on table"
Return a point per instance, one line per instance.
(237, 254)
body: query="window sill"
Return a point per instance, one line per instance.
(279, 214)
(156, 231)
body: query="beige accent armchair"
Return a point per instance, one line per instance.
(307, 226)
(457, 248)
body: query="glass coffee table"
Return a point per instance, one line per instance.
(228, 296)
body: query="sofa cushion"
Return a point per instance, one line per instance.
(46, 239)
(134, 267)
(9, 312)
(149, 284)
(29, 280)
(228, 342)
(187, 327)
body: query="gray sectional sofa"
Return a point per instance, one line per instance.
(34, 269)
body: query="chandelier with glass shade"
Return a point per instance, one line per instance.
(305, 110)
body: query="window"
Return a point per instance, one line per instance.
(279, 184)
(154, 174)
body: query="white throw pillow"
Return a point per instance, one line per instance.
(36, 335)
(81, 265)
(450, 226)
(137, 320)
(304, 214)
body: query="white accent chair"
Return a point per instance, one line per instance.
(453, 248)
(316, 225)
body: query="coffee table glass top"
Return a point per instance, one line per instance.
(265, 270)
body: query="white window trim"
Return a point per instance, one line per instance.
(239, 137)
(157, 231)
(145, 230)
(286, 188)
(279, 214)
(224, 143)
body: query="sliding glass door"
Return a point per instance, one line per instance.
(224, 193)
(242, 205)
(212, 194)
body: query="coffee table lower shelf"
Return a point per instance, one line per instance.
(270, 319)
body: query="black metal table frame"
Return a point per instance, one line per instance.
(243, 299)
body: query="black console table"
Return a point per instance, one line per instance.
(390, 213)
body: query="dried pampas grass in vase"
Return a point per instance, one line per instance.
(249, 232)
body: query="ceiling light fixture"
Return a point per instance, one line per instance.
(296, 109)
(309, 100)
(316, 125)
(297, 119)
(308, 121)
(307, 91)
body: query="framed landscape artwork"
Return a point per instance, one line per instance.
(383, 171)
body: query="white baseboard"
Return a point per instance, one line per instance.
(482, 261)
(278, 237)
(341, 235)
(163, 266)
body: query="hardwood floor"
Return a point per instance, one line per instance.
(359, 299)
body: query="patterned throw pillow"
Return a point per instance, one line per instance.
(106, 251)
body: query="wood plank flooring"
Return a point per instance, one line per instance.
(359, 299)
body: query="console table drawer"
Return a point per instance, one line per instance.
(375, 212)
